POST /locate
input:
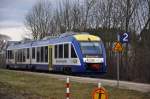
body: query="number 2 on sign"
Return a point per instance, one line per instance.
(125, 37)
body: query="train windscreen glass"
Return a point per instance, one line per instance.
(91, 49)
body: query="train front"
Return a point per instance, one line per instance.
(93, 53)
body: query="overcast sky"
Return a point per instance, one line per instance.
(12, 16)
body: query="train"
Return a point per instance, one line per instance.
(68, 53)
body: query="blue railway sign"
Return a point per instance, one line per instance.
(123, 37)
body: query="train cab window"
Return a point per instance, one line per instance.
(46, 53)
(61, 51)
(66, 50)
(73, 54)
(33, 53)
(27, 53)
(56, 47)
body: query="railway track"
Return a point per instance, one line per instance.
(142, 87)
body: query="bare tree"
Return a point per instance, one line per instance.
(3, 41)
(38, 20)
(145, 17)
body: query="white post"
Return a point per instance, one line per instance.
(67, 88)
(118, 69)
(99, 85)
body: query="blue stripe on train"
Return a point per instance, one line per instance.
(75, 68)
(26, 66)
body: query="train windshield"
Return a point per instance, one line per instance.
(91, 49)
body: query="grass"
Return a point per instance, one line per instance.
(15, 85)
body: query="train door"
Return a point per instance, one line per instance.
(50, 57)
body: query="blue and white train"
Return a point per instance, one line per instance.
(75, 53)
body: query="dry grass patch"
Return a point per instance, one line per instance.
(24, 86)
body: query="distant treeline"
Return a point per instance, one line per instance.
(80, 15)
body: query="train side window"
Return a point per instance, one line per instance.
(73, 54)
(16, 56)
(12, 55)
(8, 54)
(56, 47)
(27, 53)
(66, 50)
(24, 55)
(20, 55)
(46, 53)
(61, 51)
(38, 54)
(42, 54)
(33, 53)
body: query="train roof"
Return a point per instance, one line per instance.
(66, 37)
